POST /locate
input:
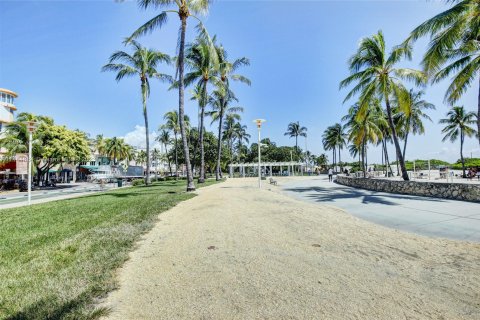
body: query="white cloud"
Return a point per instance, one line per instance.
(136, 138)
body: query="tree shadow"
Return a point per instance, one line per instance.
(321, 194)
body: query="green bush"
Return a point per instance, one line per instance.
(138, 182)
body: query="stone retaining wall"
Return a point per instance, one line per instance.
(455, 191)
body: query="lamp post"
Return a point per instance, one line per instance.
(31, 126)
(259, 126)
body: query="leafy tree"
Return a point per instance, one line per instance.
(375, 75)
(453, 49)
(184, 9)
(294, 130)
(458, 123)
(142, 63)
(52, 144)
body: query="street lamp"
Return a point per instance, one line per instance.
(31, 126)
(259, 126)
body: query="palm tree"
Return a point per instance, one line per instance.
(184, 10)
(156, 156)
(453, 49)
(295, 130)
(220, 103)
(458, 124)
(409, 120)
(173, 124)
(229, 130)
(223, 95)
(142, 64)
(328, 142)
(374, 74)
(365, 129)
(339, 139)
(203, 63)
(117, 150)
(164, 138)
(99, 144)
(240, 133)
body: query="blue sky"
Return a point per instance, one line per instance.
(51, 53)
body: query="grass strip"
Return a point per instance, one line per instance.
(58, 258)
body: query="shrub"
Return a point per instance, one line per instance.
(138, 182)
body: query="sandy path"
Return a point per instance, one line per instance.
(236, 252)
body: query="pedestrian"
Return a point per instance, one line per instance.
(330, 174)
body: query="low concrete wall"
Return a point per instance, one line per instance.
(455, 191)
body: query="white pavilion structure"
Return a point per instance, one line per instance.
(251, 169)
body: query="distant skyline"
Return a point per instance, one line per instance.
(51, 53)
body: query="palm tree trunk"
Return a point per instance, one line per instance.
(296, 145)
(147, 138)
(478, 114)
(201, 178)
(181, 98)
(168, 159)
(176, 158)
(219, 143)
(406, 138)
(363, 159)
(395, 140)
(462, 138)
(340, 159)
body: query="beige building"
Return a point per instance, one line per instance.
(7, 106)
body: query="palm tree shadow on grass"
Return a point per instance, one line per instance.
(321, 194)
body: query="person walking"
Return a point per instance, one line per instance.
(330, 174)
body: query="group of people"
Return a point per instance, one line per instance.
(472, 173)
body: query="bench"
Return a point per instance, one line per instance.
(274, 182)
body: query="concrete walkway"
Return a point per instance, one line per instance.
(422, 215)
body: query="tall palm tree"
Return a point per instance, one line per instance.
(231, 120)
(142, 63)
(203, 63)
(240, 133)
(453, 49)
(375, 75)
(173, 124)
(164, 138)
(365, 129)
(184, 9)
(458, 123)
(223, 95)
(409, 120)
(220, 102)
(295, 130)
(338, 137)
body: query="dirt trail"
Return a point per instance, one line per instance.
(236, 252)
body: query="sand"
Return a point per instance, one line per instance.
(237, 252)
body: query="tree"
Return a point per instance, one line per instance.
(375, 75)
(52, 144)
(295, 130)
(164, 138)
(365, 129)
(335, 138)
(142, 64)
(203, 63)
(184, 10)
(173, 124)
(410, 119)
(220, 103)
(453, 49)
(240, 133)
(458, 123)
(223, 95)
(117, 150)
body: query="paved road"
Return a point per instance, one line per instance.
(14, 199)
(427, 216)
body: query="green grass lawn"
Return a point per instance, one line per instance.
(58, 258)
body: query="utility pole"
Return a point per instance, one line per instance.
(31, 126)
(259, 126)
